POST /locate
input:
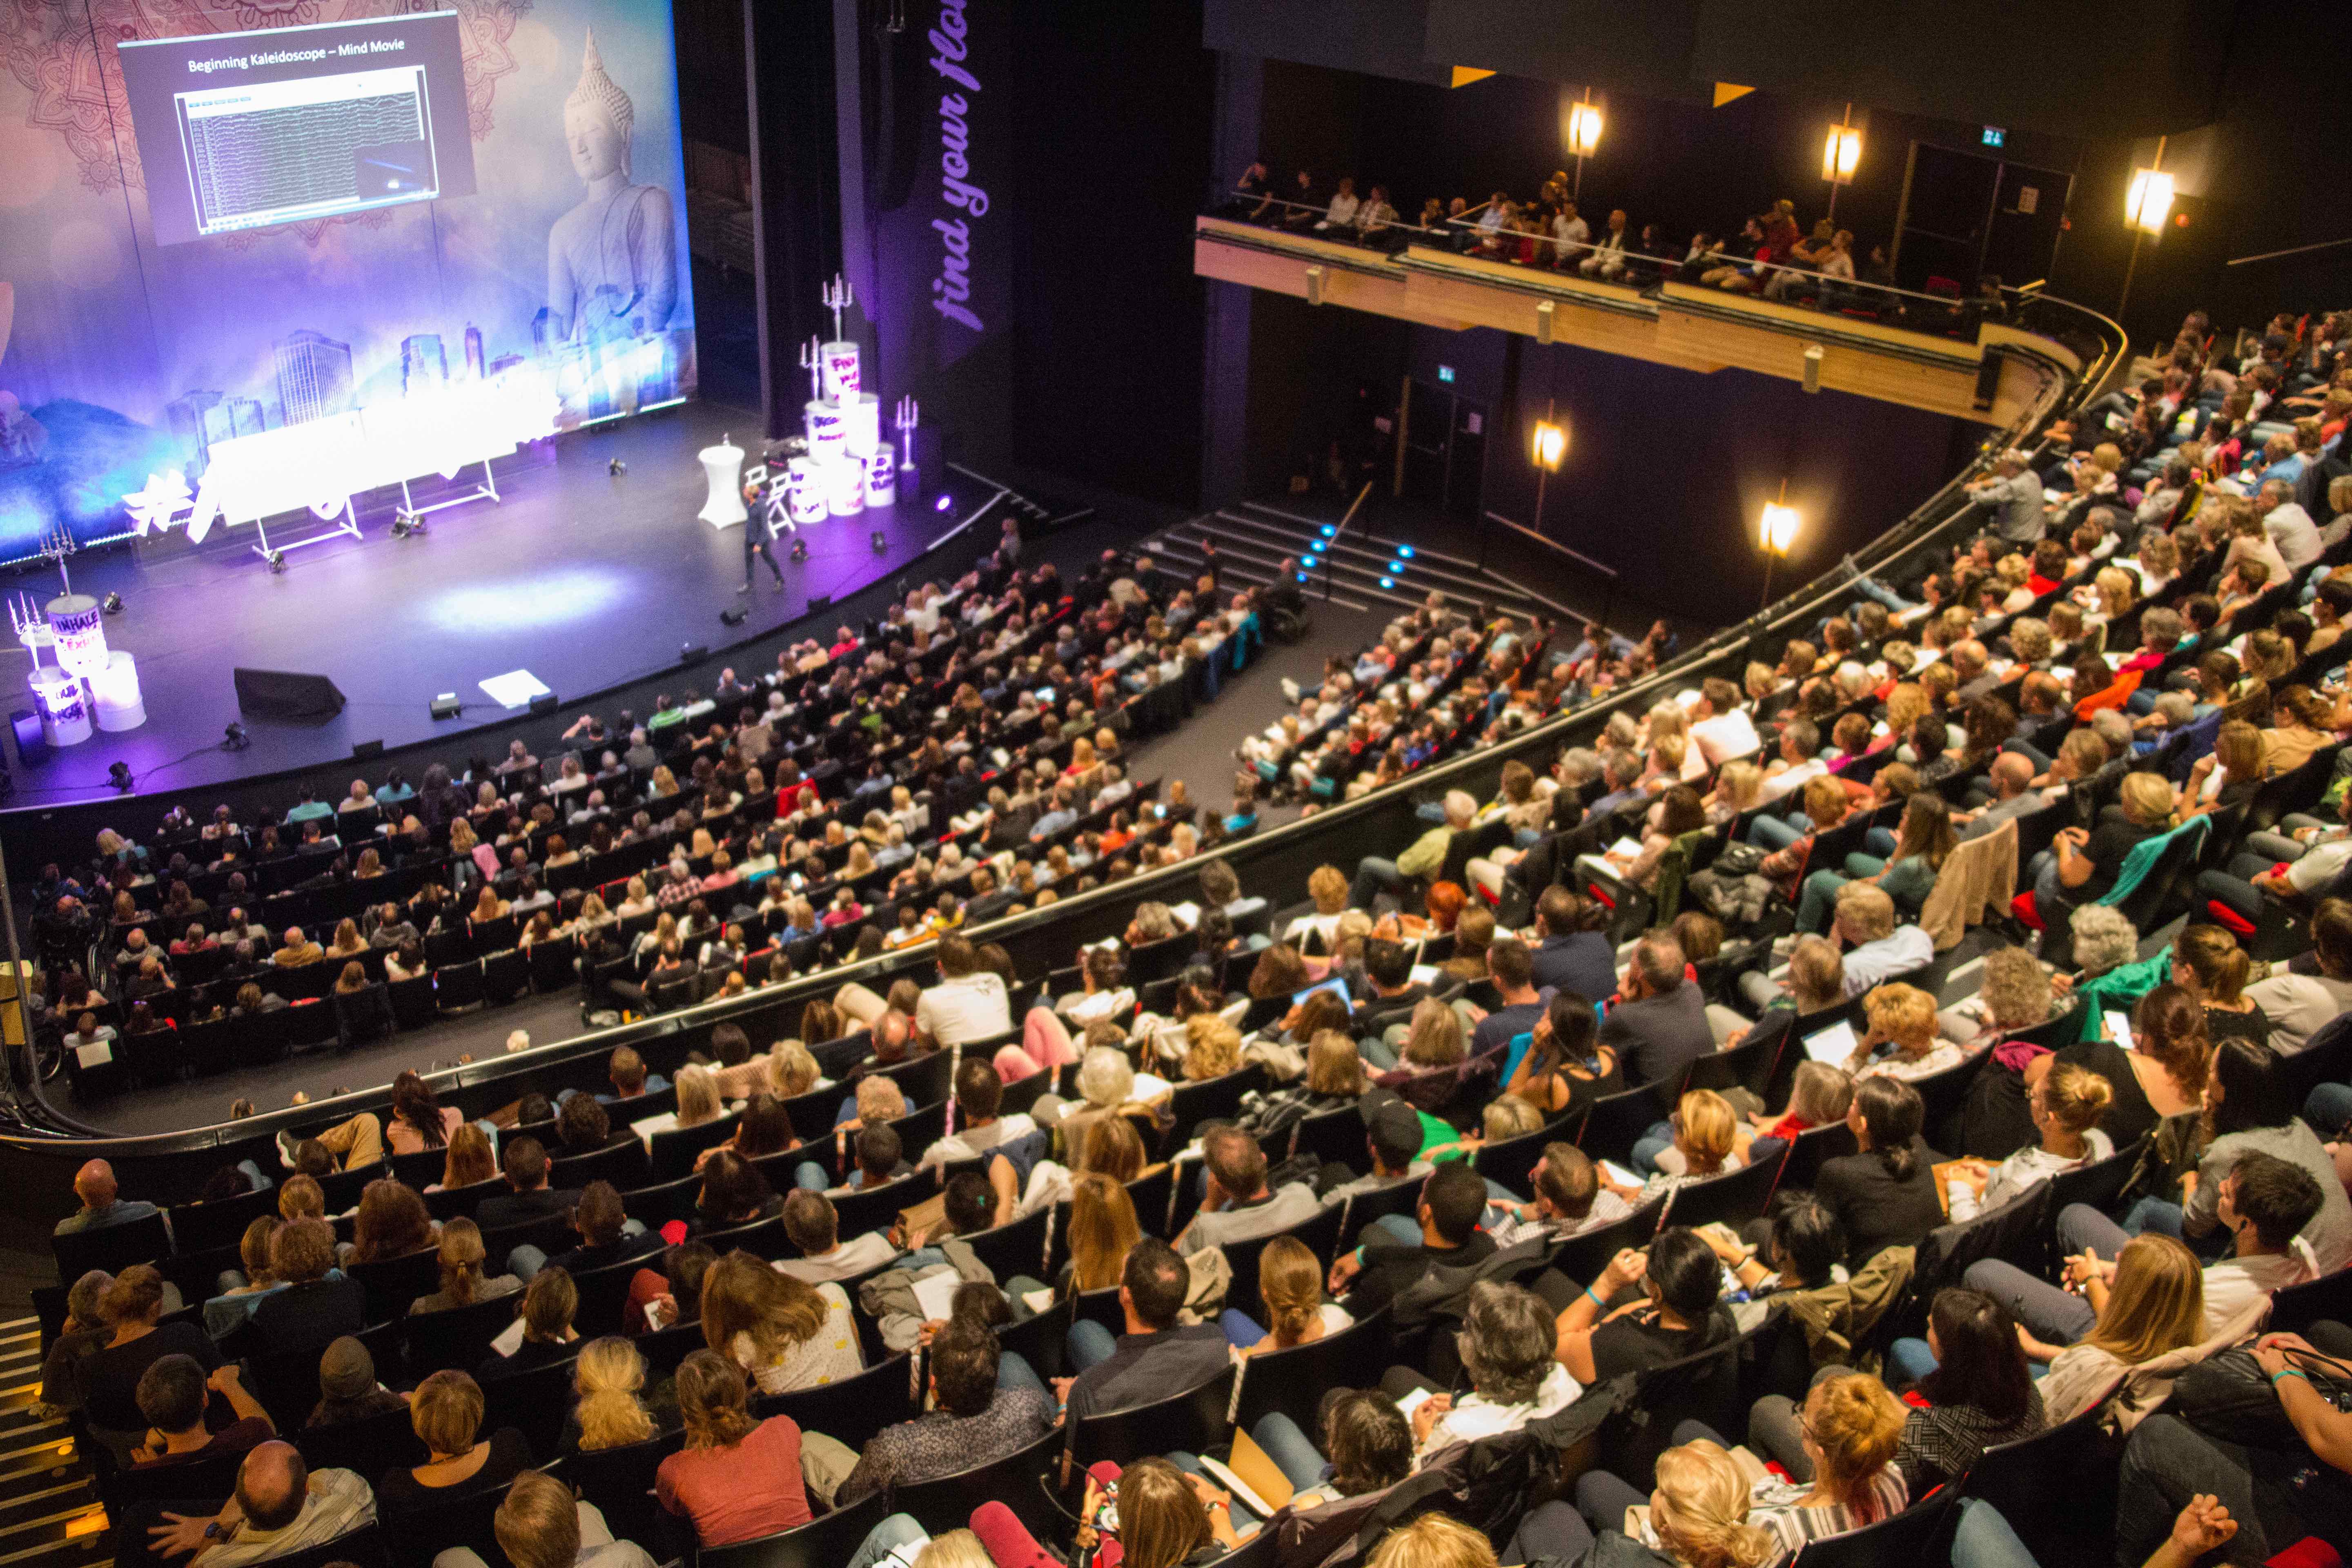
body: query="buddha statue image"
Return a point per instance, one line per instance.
(612, 261)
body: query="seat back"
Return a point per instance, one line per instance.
(1320, 1232)
(1293, 1381)
(1813, 1148)
(1618, 1120)
(459, 1336)
(534, 1403)
(1194, 1420)
(1402, 1196)
(2039, 1483)
(824, 1543)
(1018, 1247)
(620, 1480)
(1582, 1257)
(605, 1295)
(113, 1248)
(369, 1446)
(1908, 1537)
(1703, 1386)
(2013, 1232)
(450, 1203)
(852, 1409)
(2295, 1308)
(873, 1208)
(625, 1164)
(1512, 1161)
(674, 1151)
(1332, 1137)
(947, 1502)
(1731, 1198)
(392, 1283)
(2098, 1184)
(419, 1534)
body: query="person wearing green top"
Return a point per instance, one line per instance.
(1375, 876)
(2112, 980)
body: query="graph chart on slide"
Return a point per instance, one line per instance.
(314, 147)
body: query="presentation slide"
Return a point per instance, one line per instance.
(240, 130)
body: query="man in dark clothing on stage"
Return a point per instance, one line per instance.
(759, 531)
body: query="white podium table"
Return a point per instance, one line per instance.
(723, 466)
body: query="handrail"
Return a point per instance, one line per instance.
(1104, 910)
(1234, 197)
(1545, 538)
(1339, 531)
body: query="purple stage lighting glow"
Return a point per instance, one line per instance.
(943, 503)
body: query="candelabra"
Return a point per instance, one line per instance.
(57, 547)
(31, 626)
(813, 361)
(906, 423)
(838, 297)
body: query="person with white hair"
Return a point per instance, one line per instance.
(517, 1040)
(1421, 862)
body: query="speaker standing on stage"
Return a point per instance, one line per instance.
(759, 530)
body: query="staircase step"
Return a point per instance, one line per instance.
(1367, 563)
(1256, 568)
(1355, 582)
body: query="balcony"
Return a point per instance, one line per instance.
(1862, 352)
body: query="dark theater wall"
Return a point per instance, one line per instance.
(1667, 469)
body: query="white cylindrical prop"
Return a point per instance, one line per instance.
(862, 412)
(57, 698)
(823, 421)
(80, 627)
(882, 477)
(839, 372)
(114, 692)
(845, 487)
(804, 490)
(723, 466)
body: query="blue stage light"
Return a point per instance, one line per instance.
(1327, 531)
(945, 502)
(1405, 551)
(1388, 582)
(1310, 558)
(1302, 576)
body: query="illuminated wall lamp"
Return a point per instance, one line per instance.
(1550, 445)
(1583, 131)
(2148, 200)
(1841, 155)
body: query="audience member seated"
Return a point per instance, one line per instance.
(1155, 1358)
(737, 1478)
(463, 1281)
(447, 1413)
(783, 1333)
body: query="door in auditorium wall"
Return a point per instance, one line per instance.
(1963, 215)
(1444, 449)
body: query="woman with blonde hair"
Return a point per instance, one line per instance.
(2066, 1106)
(792, 1070)
(470, 1158)
(1696, 1516)
(1103, 1229)
(462, 1281)
(1701, 1139)
(608, 1378)
(1738, 786)
(1290, 1285)
(1213, 1047)
(1850, 1429)
(1328, 886)
(1115, 1149)
(2154, 1310)
(784, 1332)
(1903, 1017)
(738, 1477)
(1433, 1039)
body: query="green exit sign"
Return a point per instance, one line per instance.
(1994, 135)
(1445, 373)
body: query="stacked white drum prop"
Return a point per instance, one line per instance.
(844, 426)
(91, 687)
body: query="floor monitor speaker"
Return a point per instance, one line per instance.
(286, 694)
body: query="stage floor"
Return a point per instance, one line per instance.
(586, 579)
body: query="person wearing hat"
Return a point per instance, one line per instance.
(2012, 491)
(1394, 1137)
(348, 1390)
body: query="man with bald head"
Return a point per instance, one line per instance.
(101, 1202)
(2010, 773)
(280, 1507)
